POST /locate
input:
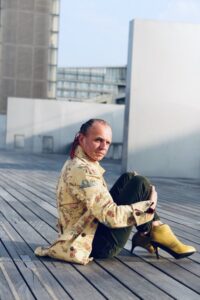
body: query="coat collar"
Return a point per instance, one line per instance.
(81, 155)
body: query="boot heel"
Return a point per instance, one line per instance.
(133, 247)
(156, 250)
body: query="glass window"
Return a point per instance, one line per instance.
(59, 83)
(69, 94)
(99, 87)
(69, 84)
(84, 77)
(82, 95)
(97, 78)
(82, 85)
(59, 93)
(92, 95)
(70, 76)
(93, 86)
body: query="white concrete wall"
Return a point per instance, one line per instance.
(35, 118)
(2, 131)
(162, 133)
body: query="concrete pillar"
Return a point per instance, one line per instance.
(162, 123)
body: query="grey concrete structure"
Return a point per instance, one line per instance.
(2, 131)
(92, 84)
(162, 130)
(50, 126)
(28, 49)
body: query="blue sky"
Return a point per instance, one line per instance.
(95, 32)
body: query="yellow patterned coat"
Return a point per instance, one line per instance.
(83, 200)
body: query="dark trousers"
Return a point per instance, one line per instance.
(128, 189)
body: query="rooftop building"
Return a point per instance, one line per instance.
(92, 84)
(28, 49)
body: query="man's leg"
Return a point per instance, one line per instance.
(128, 189)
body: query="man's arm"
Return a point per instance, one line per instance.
(89, 189)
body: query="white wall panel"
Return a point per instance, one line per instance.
(37, 119)
(162, 134)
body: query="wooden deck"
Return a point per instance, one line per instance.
(28, 218)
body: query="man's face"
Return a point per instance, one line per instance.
(97, 141)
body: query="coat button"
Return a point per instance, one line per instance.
(138, 213)
(83, 234)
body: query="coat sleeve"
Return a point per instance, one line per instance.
(89, 188)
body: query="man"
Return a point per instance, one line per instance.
(94, 222)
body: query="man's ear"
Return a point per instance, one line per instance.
(80, 139)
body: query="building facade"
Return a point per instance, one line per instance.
(92, 84)
(28, 49)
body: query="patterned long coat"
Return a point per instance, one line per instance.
(83, 200)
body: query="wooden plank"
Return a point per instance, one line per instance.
(29, 266)
(126, 275)
(106, 282)
(5, 291)
(173, 269)
(77, 285)
(140, 264)
(14, 177)
(40, 208)
(34, 191)
(39, 181)
(38, 224)
(58, 278)
(13, 277)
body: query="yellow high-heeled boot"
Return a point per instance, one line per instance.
(143, 241)
(163, 237)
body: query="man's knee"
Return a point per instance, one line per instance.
(128, 175)
(141, 182)
(142, 179)
(133, 176)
